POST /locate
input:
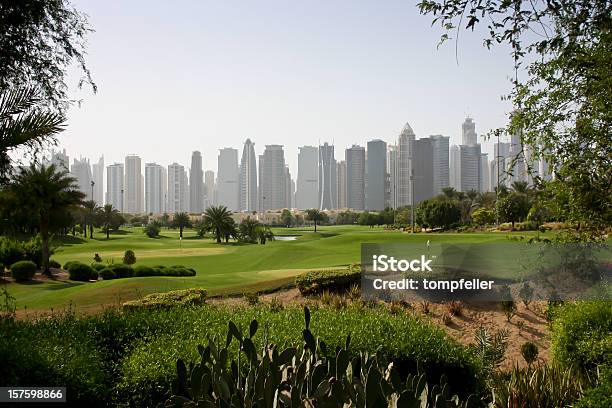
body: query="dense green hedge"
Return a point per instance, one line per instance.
(23, 271)
(183, 297)
(333, 280)
(130, 358)
(78, 271)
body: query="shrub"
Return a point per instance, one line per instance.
(152, 230)
(68, 264)
(142, 270)
(98, 266)
(185, 297)
(581, 335)
(23, 271)
(107, 274)
(599, 396)
(252, 298)
(334, 280)
(526, 293)
(455, 308)
(508, 304)
(122, 270)
(129, 258)
(54, 264)
(32, 250)
(78, 271)
(97, 257)
(529, 351)
(11, 251)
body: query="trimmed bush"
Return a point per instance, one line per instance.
(98, 266)
(122, 270)
(68, 264)
(78, 271)
(107, 274)
(332, 280)
(11, 251)
(129, 258)
(23, 271)
(54, 264)
(142, 270)
(185, 297)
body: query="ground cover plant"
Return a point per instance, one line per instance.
(328, 280)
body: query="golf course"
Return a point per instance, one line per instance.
(231, 268)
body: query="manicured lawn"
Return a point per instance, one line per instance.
(225, 268)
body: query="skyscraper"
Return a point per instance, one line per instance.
(209, 189)
(405, 147)
(423, 170)
(177, 188)
(288, 188)
(156, 188)
(328, 183)
(455, 168)
(307, 193)
(376, 176)
(196, 184)
(392, 170)
(341, 177)
(441, 179)
(60, 159)
(134, 188)
(272, 179)
(227, 178)
(501, 158)
(484, 172)
(81, 171)
(114, 186)
(355, 177)
(248, 177)
(468, 132)
(97, 173)
(470, 166)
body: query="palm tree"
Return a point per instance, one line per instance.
(91, 212)
(449, 192)
(109, 215)
(520, 187)
(181, 221)
(248, 229)
(219, 220)
(45, 193)
(315, 216)
(22, 124)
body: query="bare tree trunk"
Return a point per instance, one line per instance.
(44, 235)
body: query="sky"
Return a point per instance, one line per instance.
(174, 77)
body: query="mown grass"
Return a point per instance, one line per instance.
(225, 268)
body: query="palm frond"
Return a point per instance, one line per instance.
(16, 101)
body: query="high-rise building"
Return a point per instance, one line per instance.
(484, 172)
(114, 186)
(392, 170)
(468, 132)
(516, 166)
(470, 165)
(423, 170)
(156, 188)
(342, 196)
(60, 159)
(81, 171)
(501, 159)
(288, 188)
(97, 173)
(454, 167)
(209, 189)
(227, 179)
(196, 184)
(177, 188)
(405, 147)
(376, 176)
(292, 194)
(328, 183)
(355, 177)
(307, 193)
(248, 177)
(134, 188)
(441, 179)
(272, 179)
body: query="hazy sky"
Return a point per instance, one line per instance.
(178, 76)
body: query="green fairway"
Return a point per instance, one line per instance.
(221, 268)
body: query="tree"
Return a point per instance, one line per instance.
(248, 230)
(513, 207)
(521, 187)
(435, 213)
(40, 40)
(110, 218)
(286, 218)
(181, 221)
(91, 211)
(561, 102)
(129, 257)
(45, 192)
(315, 216)
(152, 229)
(218, 219)
(165, 220)
(264, 233)
(23, 123)
(449, 192)
(483, 216)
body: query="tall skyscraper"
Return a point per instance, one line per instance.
(440, 145)
(355, 177)
(272, 179)
(307, 193)
(392, 170)
(60, 159)
(405, 147)
(134, 188)
(248, 177)
(177, 188)
(328, 183)
(455, 167)
(501, 159)
(156, 188)
(196, 184)
(97, 172)
(423, 170)
(81, 171)
(468, 132)
(484, 172)
(209, 189)
(114, 186)
(227, 179)
(288, 188)
(376, 176)
(341, 171)
(470, 166)
(516, 165)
